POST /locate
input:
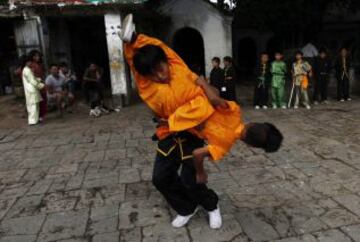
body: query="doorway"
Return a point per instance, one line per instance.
(8, 55)
(88, 44)
(247, 56)
(189, 44)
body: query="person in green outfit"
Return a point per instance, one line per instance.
(278, 71)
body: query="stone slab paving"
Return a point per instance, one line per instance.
(81, 179)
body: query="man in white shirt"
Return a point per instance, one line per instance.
(55, 84)
(70, 82)
(310, 51)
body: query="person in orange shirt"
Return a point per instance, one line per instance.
(184, 104)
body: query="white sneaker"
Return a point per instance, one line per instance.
(274, 107)
(94, 113)
(265, 107)
(342, 100)
(283, 107)
(308, 107)
(128, 29)
(257, 107)
(98, 110)
(181, 221)
(296, 107)
(215, 219)
(349, 99)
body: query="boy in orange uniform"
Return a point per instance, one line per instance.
(184, 103)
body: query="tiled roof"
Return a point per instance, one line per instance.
(72, 2)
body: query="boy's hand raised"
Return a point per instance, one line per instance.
(219, 102)
(162, 122)
(212, 93)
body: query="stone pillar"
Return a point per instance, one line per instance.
(119, 85)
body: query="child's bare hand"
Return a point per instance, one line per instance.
(200, 127)
(219, 102)
(201, 178)
(163, 122)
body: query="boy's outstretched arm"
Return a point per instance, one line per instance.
(211, 93)
(199, 155)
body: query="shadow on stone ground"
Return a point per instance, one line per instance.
(82, 179)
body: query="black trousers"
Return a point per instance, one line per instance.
(180, 188)
(230, 93)
(321, 88)
(261, 95)
(94, 93)
(343, 87)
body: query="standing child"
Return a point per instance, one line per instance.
(343, 65)
(32, 87)
(301, 70)
(217, 77)
(322, 68)
(278, 71)
(39, 72)
(261, 93)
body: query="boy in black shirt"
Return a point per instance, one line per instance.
(228, 91)
(343, 65)
(263, 80)
(217, 74)
(322, 68)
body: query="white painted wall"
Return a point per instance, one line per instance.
(214, 27)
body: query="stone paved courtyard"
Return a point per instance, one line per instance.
(81, 179)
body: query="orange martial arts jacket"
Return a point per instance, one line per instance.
(184, 104)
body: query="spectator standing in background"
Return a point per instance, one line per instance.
(217, 75)
(229, 73)
(39, 72)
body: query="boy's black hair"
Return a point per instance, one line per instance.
(34, 52)
(147, 58)
(264, 135)
(299, 52)
(53, 64)
(63, 64)
(264, 53)
(24, 59)
(323, 50)
(344, 48)
(216, 59)
(228, 59)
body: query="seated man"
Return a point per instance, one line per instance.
(55, 86)
(70, 80)
(94, 89)
(184, 102)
